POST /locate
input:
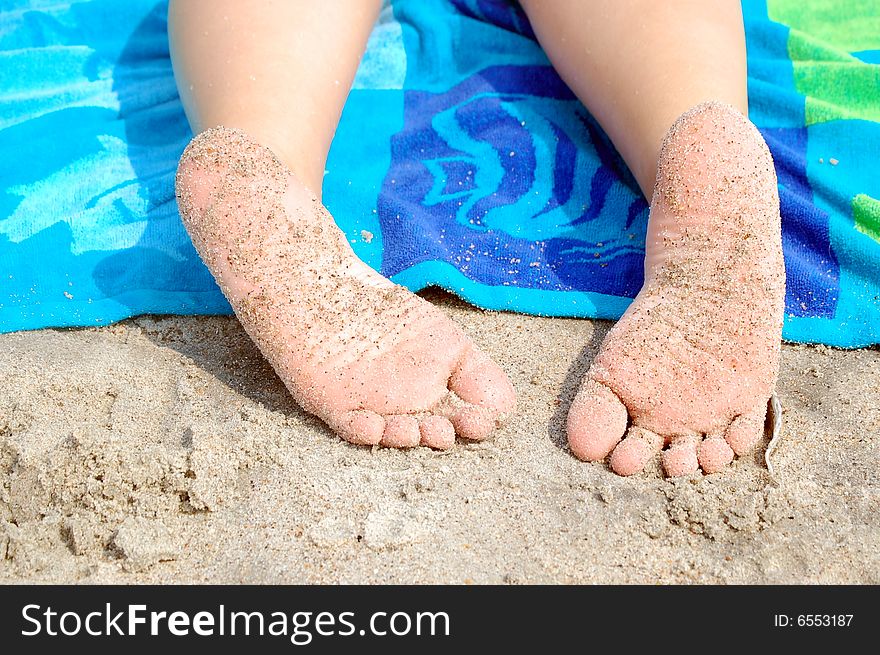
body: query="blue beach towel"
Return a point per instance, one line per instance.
(474, 169)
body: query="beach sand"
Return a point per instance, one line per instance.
(166, 450)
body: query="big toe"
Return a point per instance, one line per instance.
(485, 396)
(596, 421)
(488, 394)
(480, 381)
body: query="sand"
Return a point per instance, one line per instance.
(166, 450)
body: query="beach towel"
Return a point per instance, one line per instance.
(461, 161)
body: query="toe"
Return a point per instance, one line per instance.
(596, 421)
(437, 432)
(746, 430)
(474, 422)
(714, 454)
(401, 431)
(681, 456)
(480, 381)
(360, 427)
(636, 450)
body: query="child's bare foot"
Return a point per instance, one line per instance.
(694, 359)
(374, 361)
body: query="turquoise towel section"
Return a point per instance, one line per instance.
(473, 168)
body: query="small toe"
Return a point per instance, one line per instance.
(360, 426)
(596, 421)
(636, 450)
(746, 430)
(681, 457)
(437, 432)
(474, 422)
(714, 454)
(401, 431)
(480, 381)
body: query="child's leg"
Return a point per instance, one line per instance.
(278, 69)
(638, 65)
(371, 359)
(695, 358)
